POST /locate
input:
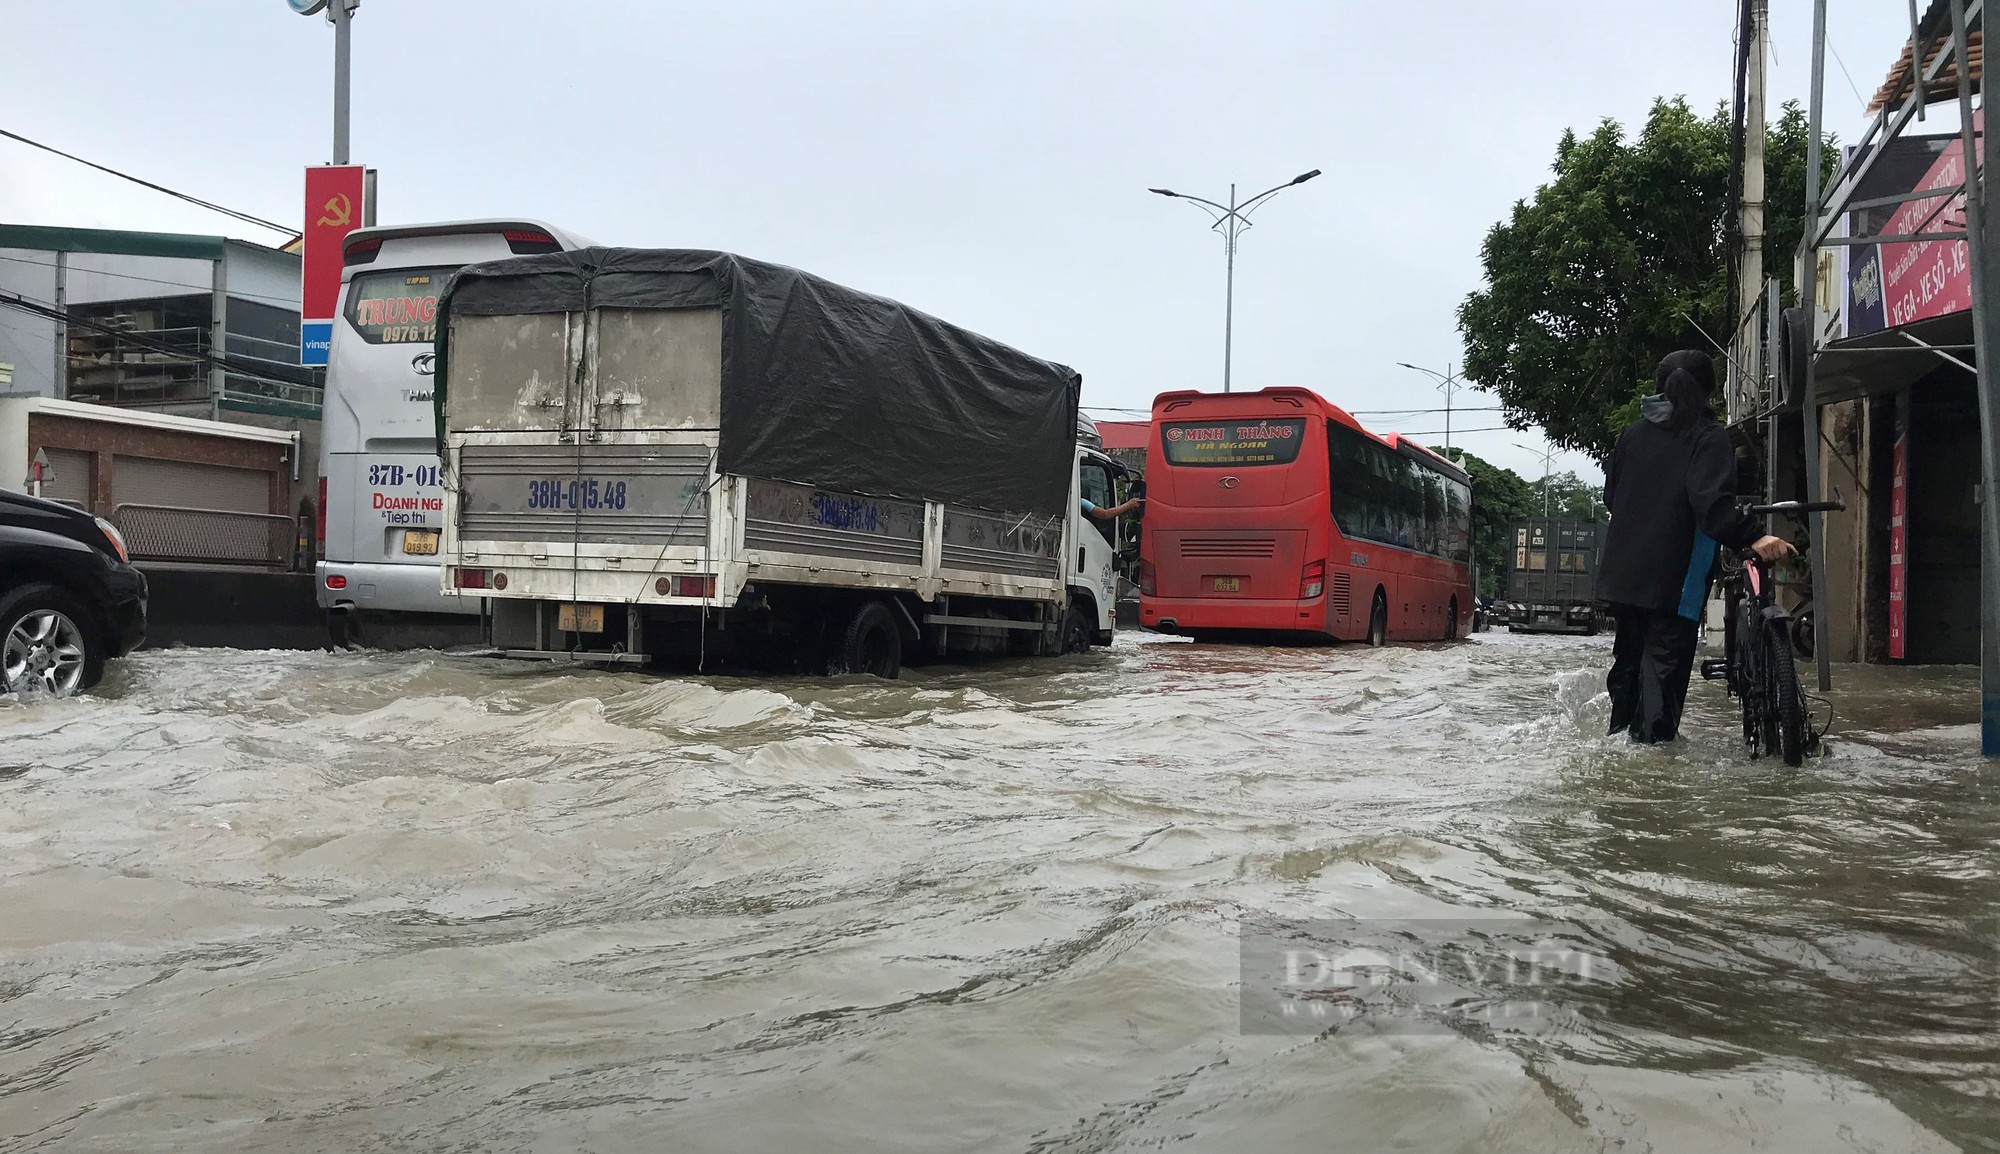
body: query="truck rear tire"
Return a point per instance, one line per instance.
(872, 642)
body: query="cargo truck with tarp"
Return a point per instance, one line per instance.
(1552, 582)
(651, 452)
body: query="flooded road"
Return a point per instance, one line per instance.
(302, 902)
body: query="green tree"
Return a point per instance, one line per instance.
(1617, 261)
(1499, 498)
(1568, 495)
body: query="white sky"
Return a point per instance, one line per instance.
(985, 162)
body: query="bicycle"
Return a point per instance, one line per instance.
(1757, 663)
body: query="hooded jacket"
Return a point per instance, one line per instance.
(1672, 496)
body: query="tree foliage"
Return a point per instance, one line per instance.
(1568, 495)
(1617, 261)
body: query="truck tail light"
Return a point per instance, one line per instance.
(319, 519)
(1312, 579)
(1147, 579)
(469, 578)
(694, 585)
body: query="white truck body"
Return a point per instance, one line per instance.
(581, 479)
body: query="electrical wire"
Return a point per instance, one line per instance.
(210, 205)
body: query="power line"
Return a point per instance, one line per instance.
(210, 205)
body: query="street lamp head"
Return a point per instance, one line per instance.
(1408, 365)
(1305, 176)
(1164, 191)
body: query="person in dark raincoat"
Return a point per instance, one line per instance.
(1671, 489)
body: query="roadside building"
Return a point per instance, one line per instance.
(1891, 342)
(1125, 442)
(178, 324)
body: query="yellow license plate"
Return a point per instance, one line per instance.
(424, 541)
(1229, 584)
(580, 618)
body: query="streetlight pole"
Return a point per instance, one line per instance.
(343, 22)
(1449, 382)
(1548, 456)
(340, 14)
(1230, 220)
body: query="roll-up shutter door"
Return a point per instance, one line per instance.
(189, 485)
(71, 484)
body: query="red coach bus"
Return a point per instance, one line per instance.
(1275, 511)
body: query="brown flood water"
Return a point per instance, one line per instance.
(305, 902)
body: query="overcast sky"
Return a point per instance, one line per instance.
(987, 162)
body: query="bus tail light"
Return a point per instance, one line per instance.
(1147, 580)
(361, 251)
(469, 578)
(336, 581)
(319, 519)
(1312, 579)
(524, 241)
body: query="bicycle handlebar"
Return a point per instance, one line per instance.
(1794, 508)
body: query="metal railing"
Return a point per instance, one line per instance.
(206, 536)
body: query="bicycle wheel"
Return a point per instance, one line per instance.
(1785, 700)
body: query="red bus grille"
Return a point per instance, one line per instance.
(1340, 595)
(1229, 546)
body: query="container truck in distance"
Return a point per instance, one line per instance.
(1552, 583)
(663, 452)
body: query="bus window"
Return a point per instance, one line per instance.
(396, 306)
(1233, 444)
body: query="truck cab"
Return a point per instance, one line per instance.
(1092, 544)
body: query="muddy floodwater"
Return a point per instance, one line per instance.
(420, 902)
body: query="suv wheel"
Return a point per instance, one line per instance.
(48, 642)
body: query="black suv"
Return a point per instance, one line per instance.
(69, 600)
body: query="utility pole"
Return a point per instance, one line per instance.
(1230, 220)
(1750, 274)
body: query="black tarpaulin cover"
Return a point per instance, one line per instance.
(821, 384)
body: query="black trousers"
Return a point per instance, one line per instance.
(1651, 661)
